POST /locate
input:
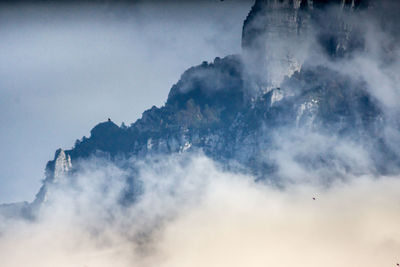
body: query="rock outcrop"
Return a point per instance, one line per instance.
(278, 35)
(213, 107)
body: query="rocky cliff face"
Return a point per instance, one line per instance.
(213, 107)
(277, 35)
(214, 114)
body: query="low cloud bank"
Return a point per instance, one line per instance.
(192, 213)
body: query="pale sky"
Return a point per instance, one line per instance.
(63, 69)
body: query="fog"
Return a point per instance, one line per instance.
(66, 67)
(326, 204)
(193, 213)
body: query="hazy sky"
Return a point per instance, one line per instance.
(63, 69)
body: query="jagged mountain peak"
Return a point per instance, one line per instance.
(214, 107)
(209, 82)
(107, 128)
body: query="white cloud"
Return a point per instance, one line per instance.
(192, 213)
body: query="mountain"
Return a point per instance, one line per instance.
(233, 108)
(277, 33)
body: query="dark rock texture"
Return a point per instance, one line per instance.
(278, 34)
(213, 107)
